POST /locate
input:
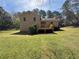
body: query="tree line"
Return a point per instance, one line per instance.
(68, 17)
(71, 12)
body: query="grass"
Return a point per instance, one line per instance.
(61, 45)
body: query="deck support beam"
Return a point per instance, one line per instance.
(45, 30)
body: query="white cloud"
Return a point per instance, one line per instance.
(31, 4)
(37, 3)
(21, 5)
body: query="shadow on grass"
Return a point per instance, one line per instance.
(76, 26)
(59, 30)
(25, 33)
(20, 33)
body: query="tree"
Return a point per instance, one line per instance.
(66, 5)
(50, 14)
(68, 11)
(5, 19)
(36, 10)
(75, 8)
(42, 13)
(56, 13)
(16, 20)
(75, 5)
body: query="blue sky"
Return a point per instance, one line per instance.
(24, 5)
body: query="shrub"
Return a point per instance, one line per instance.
(4, 24)
(33, 29)
(16, 23)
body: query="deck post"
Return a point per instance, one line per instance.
(44, 30)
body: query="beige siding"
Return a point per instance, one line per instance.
(24, 26)
(29, 21)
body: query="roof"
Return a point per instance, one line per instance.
(48, 19)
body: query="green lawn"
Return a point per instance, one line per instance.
(61, 45)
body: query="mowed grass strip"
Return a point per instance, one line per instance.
(60, 45)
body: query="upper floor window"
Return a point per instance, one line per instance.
(24, 19)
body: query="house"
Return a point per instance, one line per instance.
(29, 19)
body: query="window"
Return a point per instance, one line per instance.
(43, 24)
(34, 19)
(24, 19)
(51, 22)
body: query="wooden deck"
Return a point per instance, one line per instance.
(44, 30)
